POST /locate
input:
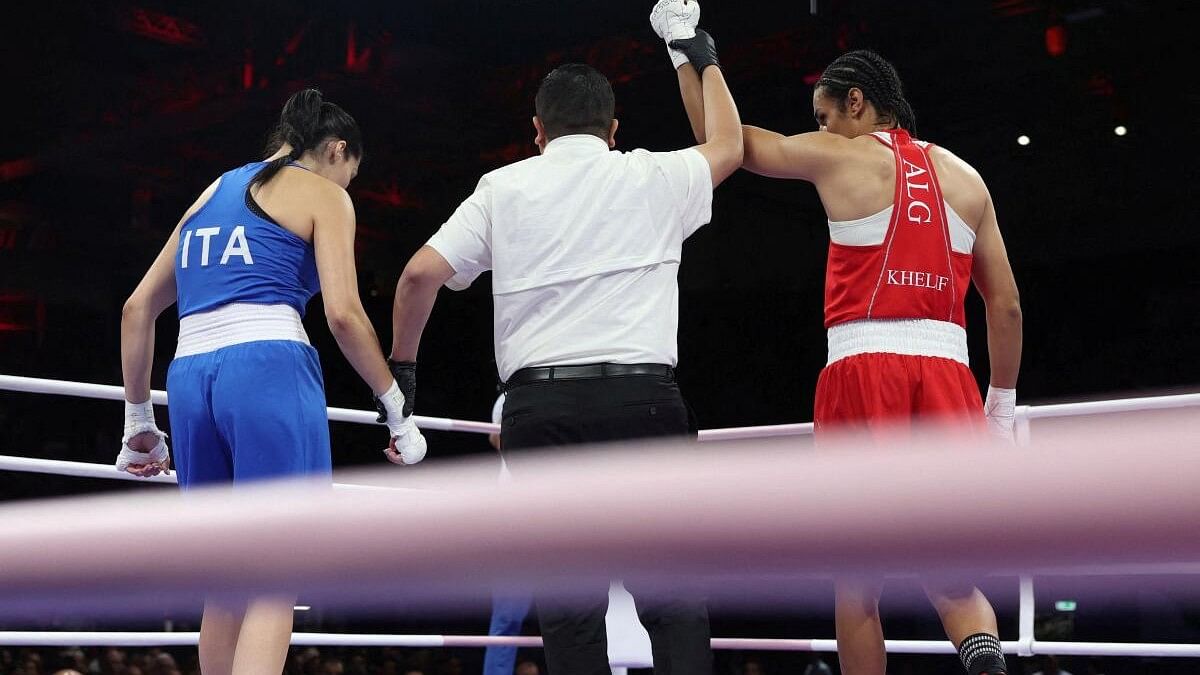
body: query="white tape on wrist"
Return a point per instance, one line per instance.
(678, 58)
(1000, 407)
(1001, 402)
(392, 401)
(139, 413)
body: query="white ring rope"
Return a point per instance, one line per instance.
(1025, 413)
(1121, 405)
(34, 385)
(108, 471)
(191, 639)
(109, 392)
(77, 469)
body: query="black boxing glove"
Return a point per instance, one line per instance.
(700, 50)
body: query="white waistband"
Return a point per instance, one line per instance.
(913, 337)
(238, 323)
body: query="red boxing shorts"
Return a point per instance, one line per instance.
(886, 395)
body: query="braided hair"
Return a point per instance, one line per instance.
(307, 121)
(876, 78)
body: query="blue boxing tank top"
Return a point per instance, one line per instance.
(232, 251)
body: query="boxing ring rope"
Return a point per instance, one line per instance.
(1024, 413)
(190, 639)
(57, 467)
(34, 385)
(1026, 645)
(76, 469)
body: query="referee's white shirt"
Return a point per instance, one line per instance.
(584, 246)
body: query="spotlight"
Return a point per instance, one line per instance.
(1120, 130)
(1022, 140)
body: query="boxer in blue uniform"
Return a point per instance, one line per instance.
(246, 395)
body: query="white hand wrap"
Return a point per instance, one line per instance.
(410, 443)
(675, 20)
(1001, 410)
(139, 419)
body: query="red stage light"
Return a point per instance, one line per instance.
(356, 61)
(163, 27)
(1056, 40)
(17, 168)
(248, 71)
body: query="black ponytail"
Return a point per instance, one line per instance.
(306, 123)
(879, 82)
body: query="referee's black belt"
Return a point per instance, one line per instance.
(588, 372)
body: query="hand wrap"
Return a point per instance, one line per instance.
(1000, 407)
(410, 445)
(139, 419)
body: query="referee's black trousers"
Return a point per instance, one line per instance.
(572, 412)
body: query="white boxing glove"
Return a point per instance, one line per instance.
(139, 419)
(1000, 407)
(408, 444)
(675, 20)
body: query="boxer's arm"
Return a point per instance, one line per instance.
(993, 277)
(805, 156)
(673, 20)
(153, 294)
(416, 292)
(333, 243)
(143, 450)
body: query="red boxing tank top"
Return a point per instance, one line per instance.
(914, 273)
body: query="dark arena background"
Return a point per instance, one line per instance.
(1079, 114)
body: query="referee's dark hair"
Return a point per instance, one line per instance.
(575, 99)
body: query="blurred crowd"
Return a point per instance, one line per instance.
(394, 661)
(183, 661)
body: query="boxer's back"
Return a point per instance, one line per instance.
(864, 183)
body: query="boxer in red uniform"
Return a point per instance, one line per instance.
(894, 309)
(911, 225)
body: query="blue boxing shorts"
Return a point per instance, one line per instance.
(248, 412)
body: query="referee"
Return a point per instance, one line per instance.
(584, 247)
